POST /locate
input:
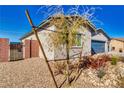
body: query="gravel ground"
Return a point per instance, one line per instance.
(33, 73)
(89, 79)
(112, 53)
(26, 73)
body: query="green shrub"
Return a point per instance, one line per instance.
(114, 60)
(101, 73)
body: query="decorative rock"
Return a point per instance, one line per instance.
(33, 73)
(121, 71)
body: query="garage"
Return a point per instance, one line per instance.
(100, 42)
(98, 46)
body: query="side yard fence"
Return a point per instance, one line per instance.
(16, 52)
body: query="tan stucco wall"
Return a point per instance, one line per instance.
(53, 53)
(45, 40)
(117, 44)
(60, 53)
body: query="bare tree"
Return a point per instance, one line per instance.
(67, 24)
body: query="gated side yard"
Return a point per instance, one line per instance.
(10, 51)
(16, 52)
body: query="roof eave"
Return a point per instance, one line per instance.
(102, 31)
(48, 20)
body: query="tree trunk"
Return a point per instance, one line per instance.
(67, 50)
(41, 47)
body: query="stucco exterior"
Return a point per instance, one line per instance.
(59, 53)
(116, 45)
(45, 40)
(86, 32)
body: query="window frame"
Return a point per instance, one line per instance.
(81, 43)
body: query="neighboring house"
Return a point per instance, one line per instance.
(31, 47)
(4, 49)
(100, 42)
(117, 45)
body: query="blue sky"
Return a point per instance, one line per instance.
(14, 24)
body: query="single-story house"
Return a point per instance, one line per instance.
(117, 45)
(95, 40)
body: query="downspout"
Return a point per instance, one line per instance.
(108, 45)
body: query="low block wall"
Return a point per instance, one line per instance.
(4, 49)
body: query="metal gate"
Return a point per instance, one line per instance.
(16, 52)
(31, 48)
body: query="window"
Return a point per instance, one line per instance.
(113, 48)
(78, 41)
(120, 50)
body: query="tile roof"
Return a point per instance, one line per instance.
(120, 39)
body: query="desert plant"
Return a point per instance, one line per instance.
(106, 57)
(114, 60)
(68, 24)
(93, 62)
(100, 73)
(73, 66)
(60, 68)
(98, 61)
(85, 63)
(121, 59)
(121, 83)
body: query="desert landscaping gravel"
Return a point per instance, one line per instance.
(33, 73)
(26, 73)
